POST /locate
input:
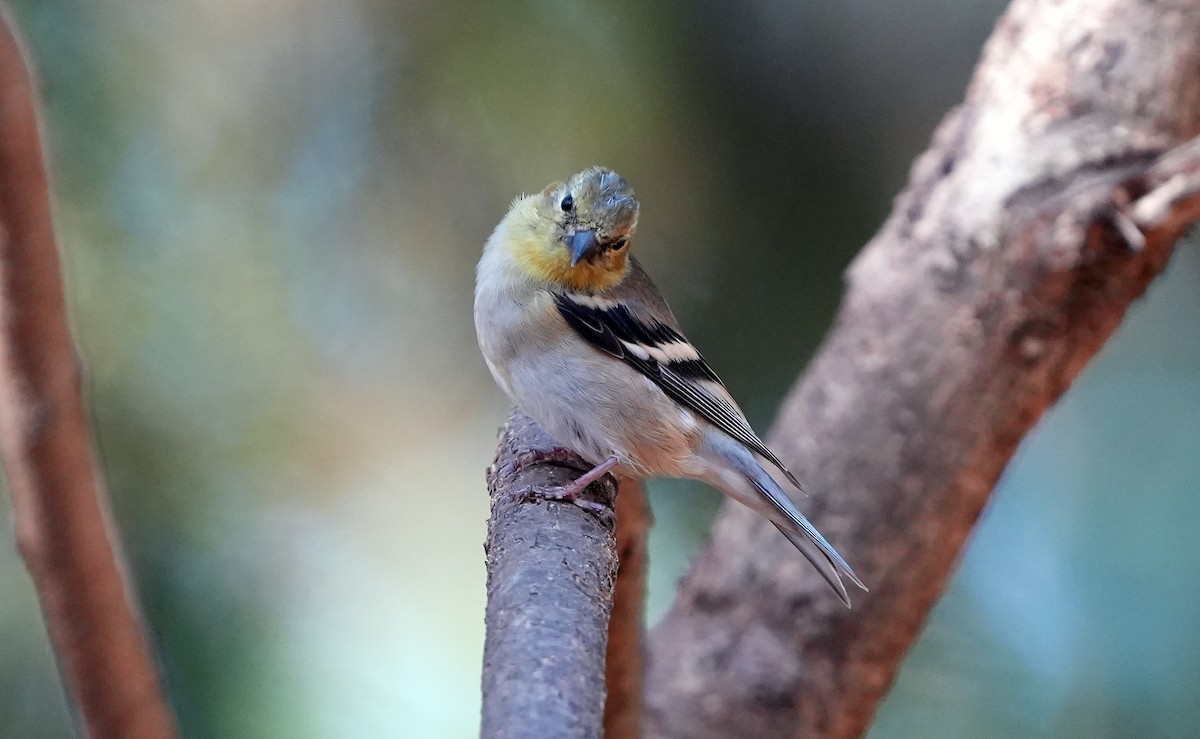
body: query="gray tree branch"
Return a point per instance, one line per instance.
(60, 510)
(551, 572)
(1044, 206)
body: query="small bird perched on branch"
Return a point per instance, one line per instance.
(578, 336)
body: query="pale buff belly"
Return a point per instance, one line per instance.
(599, 407)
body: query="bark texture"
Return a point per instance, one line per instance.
(551, 572)
(59, 506)
(1044, 206)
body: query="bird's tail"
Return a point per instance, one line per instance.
(735, 470)
(803, 535)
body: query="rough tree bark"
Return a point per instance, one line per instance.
(1045, 205)
(59, 506)
(551, 571)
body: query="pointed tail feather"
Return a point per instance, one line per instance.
(821, 562)
(735, 470)
(805, 537)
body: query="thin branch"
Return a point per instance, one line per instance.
(551, 569)
(1171, 199)
(626, 629)
(59, 506)
(1003, 268)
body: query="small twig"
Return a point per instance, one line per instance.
(59, 506)
(551, 571)
(1171, 201)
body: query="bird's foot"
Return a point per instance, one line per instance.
(572, 493)
(569, 493)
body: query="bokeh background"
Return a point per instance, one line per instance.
(271, 212)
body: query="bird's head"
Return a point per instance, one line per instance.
(577, 233)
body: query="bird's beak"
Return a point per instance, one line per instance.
(583, 245)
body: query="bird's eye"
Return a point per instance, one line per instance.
(567, 204)
(620, 244)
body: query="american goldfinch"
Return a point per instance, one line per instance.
(577, 335)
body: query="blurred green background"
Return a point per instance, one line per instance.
(271, 211)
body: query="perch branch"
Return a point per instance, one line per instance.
(551, 570)
(1045, 205)
(59, 507)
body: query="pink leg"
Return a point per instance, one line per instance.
(572, 490)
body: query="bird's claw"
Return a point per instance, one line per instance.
(569, 493)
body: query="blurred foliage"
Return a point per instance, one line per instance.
(271, 211)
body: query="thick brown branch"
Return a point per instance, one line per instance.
(1003, 268)
(551, 568)
(59, 505)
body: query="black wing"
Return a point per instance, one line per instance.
(662, 354)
